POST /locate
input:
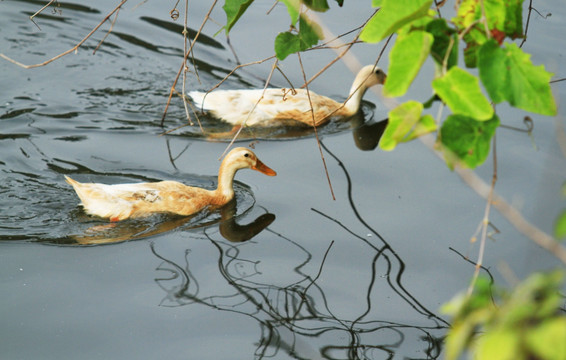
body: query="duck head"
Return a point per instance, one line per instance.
(242, 158)
(371, 75)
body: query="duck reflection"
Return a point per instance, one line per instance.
(234, 232)
(367, 135)
(128, 230)
(365, 130)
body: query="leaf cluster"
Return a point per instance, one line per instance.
(505, 71)
(482, 28)
(526, 323)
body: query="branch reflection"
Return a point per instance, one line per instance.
(295, 317)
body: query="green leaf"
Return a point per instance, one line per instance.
(293, 8)
(392, 16)
(560, 226)
(405, 61)
(445, 39)
(467, 140)
(503, 16)
(287, 43)
(425, 125)
(547, 339)
(406, 123)
(234, 9)
(316, 5)
(500, 344)
(376, 3)
(508, 74)
(458, 339)
(461, 91)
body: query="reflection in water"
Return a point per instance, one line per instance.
(142, 228)
(383, 250)
(366, 133)
(39, 207)
(296, 317)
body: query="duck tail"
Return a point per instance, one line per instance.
(70, 181)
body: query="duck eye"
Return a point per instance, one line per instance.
(247, 155)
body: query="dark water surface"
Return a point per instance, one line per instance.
(285, 272)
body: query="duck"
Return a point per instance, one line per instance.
(123, 201)
(283, 107)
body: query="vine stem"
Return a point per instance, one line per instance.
(513, 215)
(485, 221)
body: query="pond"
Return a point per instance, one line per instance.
(285, 272)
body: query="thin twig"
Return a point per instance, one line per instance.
(107, 33)
(252, 110)
(485, 220)
(518, 221)
(74, 48)
(527, 23)
(185, 57)
(235, 69)
(185, 41)
(315, 129)
(336, 39)
(39, 11)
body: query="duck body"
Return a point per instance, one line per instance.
(283, 107)
(123, 201)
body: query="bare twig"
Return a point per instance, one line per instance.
(107, 33)
(185, 57)
(252, 110)
(39, 11)
(527, 23)
(185, 69)
(315, 129)
(334, 38)
(504, 208)
(485, 220)
(74, 48)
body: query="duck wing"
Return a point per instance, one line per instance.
(276, 107)
(122, 201)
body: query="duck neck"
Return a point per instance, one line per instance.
(225, 189)
(352, 105)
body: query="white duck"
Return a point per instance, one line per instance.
(280, 107)
(123, 201)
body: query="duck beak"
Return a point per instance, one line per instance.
(262, 168)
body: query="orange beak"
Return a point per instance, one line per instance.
(262, 168)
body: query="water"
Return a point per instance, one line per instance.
(286, 272)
